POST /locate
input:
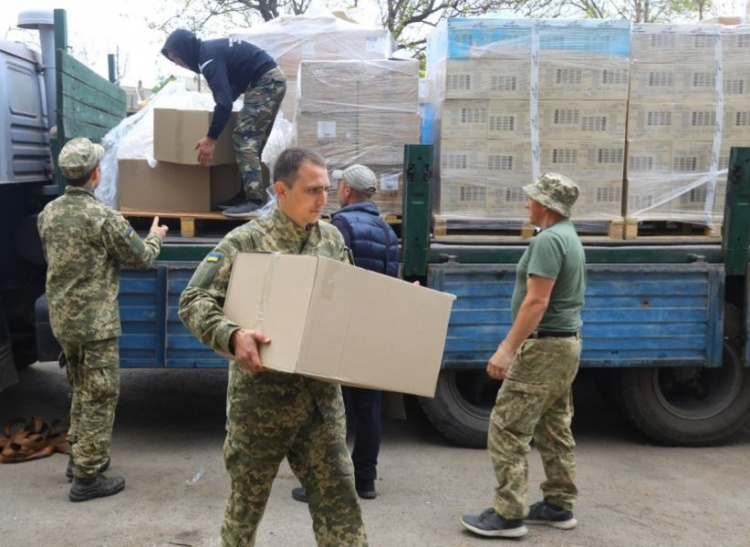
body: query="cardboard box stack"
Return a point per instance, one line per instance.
(360, 112)
(684, 118)
(178, 183)
(329, 37)
(515, 98)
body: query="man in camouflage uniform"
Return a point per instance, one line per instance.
(538, 361)
(85, 243)
(231, 68)
(272, 415)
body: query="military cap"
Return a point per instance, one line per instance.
(555, 191)
(79, 157)
(359, 177)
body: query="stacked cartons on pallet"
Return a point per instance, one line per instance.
(689, 103)
(177, 183)
(360, 112)
(515, 98)
(324, 37)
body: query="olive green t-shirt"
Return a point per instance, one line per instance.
(556, 253)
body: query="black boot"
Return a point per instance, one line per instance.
(69, 471)
(100, 487)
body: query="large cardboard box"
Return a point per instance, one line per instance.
(177, 131)
(509, 120)
(171, 187)
(591, 120)
(382, 137)
(335, 322)
(463, 158)
(465, 119)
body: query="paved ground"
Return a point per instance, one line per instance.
(167, 444)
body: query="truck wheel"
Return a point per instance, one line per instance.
(462, 405)
(689, 406)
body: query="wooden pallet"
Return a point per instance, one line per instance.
(449, 226)
(188, 219)
(664, 230)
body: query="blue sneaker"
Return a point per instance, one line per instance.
(551, 515)
(490, 524)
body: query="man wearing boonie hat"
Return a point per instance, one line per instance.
(538, 361)
(374, 246)
(85, 243)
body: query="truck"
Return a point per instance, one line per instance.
(46, 99)
(665, 321)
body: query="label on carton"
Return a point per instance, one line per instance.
(389, 182)
(327, 130)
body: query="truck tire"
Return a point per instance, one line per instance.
(462, 405)
(690, 406)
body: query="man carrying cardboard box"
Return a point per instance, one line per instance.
(538, 361)
(231, 68)
(85, 243)
(374, 245)
(272, 415)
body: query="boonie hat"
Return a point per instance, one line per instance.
(359, 177)
(555, 191)
(79, 157)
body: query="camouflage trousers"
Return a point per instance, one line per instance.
(535, 402)
(93, 370)
(271, 416)
(254, 124)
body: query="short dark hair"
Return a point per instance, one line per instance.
(82, 181)
(290, 161)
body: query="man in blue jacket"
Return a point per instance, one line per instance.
(374, 245)
(231, 68)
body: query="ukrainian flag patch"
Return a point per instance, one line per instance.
(213, 257)
(130, 232)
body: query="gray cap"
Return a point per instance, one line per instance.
(79, 157)
(359, 177)
(555, 191)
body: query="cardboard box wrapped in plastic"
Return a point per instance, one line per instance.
(339, 323)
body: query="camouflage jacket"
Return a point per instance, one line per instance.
(85, 243)
(201, 303)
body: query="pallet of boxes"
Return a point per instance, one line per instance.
(516, 98)
(348, 100)
(689, 104)
(177, 186)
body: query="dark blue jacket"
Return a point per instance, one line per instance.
(373, 242)
(229, 66)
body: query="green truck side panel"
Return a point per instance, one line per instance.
(87, 104)
(417, 209)
(737, 212)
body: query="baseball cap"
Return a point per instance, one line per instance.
(359, 177)
(79, 157)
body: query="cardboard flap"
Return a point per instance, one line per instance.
(267, 295)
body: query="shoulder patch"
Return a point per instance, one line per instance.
(130, 232)
(213, 257)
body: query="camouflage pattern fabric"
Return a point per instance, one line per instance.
(253, 126)
(85, 243)
(555, 191)
(79, 157)
(273, 415)
(535, 402)
(94, 372)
